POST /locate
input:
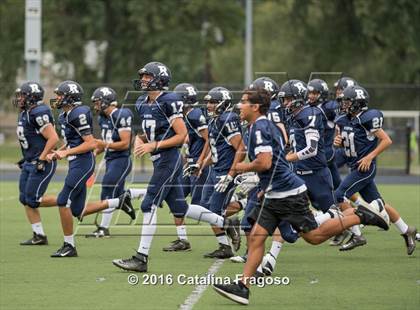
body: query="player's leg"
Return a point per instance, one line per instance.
(71, 201)
(32, 214)
(112, 188)
(370, 193)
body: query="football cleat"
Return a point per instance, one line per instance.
(239, 259)
(100, 232)
(410, 239)
(178, 245)
(353, 242)
(36, 240)
(232, 228)
(373, 214)
(224, 251)
(125, 204)
(67, 250)
(137, 263)
(237, 292)
(340, 238)
(268, 263)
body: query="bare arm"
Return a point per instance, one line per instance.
(239, 146)
(88, 144)
(121, 145)
(261, 163)
(51, 136)
(384, 142)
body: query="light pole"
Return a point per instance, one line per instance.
(248, 43)
(33, 11)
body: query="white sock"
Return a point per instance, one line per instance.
(321, 218)
(200, 213)
(137, 192)
(182, 232)
(276, 248)
(106, 219)
(113, 203)
(356, 230)
(401, 225)
(222, 239)
(147, 231)
(358, 201)
(69, 239)
(37, 228)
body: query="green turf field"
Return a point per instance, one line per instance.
(377, 276)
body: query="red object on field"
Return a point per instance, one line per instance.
(91, 180)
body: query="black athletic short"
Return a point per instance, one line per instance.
(293, 209)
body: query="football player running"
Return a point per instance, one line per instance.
(164, 131)
(363, 139)
(284, 195)
(37, 138)
(196, 149)
(76, 128)
(115, 124)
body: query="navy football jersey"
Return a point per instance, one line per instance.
(75, 124)
(119, 120)
(221, 130)
(30, 125)
(308, 120)
(265, 136)
(156, 117)
(329, 112)
(276, 112)
(358, 134)
(195, 121)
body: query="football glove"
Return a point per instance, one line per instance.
(246, 182)
(190, 170)
(223, 183)
(20, 163)
(40, 165)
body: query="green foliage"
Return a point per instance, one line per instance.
(375, 41)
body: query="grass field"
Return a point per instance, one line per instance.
(377, 276)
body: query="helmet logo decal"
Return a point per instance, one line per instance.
(300, 87)
(163, 70)
(191, 91)
(350, 83)
(359, 94)
(225, 94)
(105, 91)
(73, 88)
(34, 88)
(268, 86)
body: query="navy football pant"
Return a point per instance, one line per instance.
(320, 189)
(166, 185)
(117, 170)
(194, 185)
(73, 194)
(359, 182)
(33, 183)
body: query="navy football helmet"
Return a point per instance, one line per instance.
(344, 82)
(68, 93)
(268, 84)
(221, 97)
(297, 91)
(161, 76)
(28, 94)
(318, 86)
(188, 93)
(103, 97)
(354, 99)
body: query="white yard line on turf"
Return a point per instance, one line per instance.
(193, 298)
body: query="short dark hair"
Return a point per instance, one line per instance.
(259, 96)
